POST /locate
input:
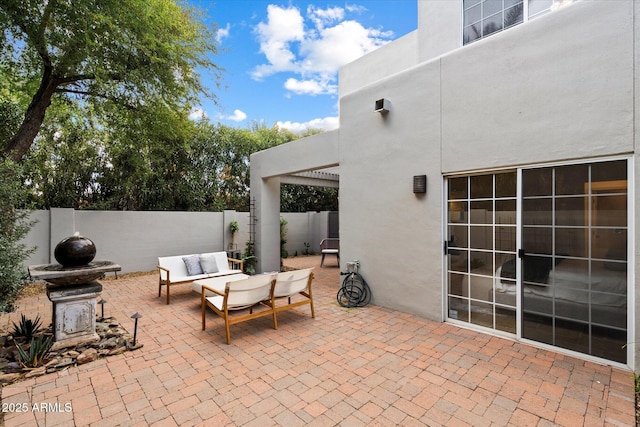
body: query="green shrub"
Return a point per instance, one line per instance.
(283, 238)
(14, 226)
(26, 328)
(249, 258)
(38, 349)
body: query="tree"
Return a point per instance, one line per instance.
(132, 55)
(302, 198)
(14, 226)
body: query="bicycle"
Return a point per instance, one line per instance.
(354, 291)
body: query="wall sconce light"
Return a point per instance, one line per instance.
(420, 184)
(382, 106)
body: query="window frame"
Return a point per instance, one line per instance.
(480, 3)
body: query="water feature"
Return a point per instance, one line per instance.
(73, 289)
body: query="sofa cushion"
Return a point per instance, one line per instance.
(209, 264)
(222, 261)
(192, 262)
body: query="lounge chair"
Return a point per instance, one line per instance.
(239, 295)
(294, 284)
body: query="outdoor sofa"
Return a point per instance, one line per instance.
(179, 269)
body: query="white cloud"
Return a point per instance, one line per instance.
(322, 17)
(316, 52)
(326, 124)
(198, 114)
(338, 45)
(310, 87)
(283, 27)
(223, 33)
(237, 116)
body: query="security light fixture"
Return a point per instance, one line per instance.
(420, 184)
(382, 106)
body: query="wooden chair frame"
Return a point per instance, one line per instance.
(228, 296)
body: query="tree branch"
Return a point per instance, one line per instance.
(97, 95)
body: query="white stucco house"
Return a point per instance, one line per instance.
(522, 115)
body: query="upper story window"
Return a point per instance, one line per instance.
(485, 17)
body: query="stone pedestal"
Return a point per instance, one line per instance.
(74, 313)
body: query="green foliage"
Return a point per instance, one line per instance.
(249, 258)
(307, 249)
(233, 227)
(283, 238)
(14, 226)
(298, 198)
(26, 328)
(135, 56)
(38, 349)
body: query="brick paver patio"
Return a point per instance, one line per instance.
(348, 367)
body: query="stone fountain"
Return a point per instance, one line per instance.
(73, 289)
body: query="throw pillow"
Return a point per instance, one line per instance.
(193, 265)
(208, 264)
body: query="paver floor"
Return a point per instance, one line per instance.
(347, 367)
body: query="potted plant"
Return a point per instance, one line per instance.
(233, 229)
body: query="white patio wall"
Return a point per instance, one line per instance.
(135, 240)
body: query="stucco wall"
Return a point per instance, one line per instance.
(135, 240)
(543, 91)
(557, 88)
(392, 58)
(439, 28)
(394, 233)
(314, 152)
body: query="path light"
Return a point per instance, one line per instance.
(136, 316)
(102, 303)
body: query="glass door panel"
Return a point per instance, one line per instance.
(574, 265)
(482, 231)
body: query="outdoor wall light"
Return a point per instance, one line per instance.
(135, 316)
(419, 184)
(102, 303)
(382, 106)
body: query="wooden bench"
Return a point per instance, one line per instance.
(179, 269)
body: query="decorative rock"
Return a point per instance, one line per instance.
(12, 371)
(87, 356)
(64, 362)
(117, 350)
(134, 347)
(8, 378)
(36, 372)
(52, 362)
(110, 343)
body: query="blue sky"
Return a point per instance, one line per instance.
(281, 58)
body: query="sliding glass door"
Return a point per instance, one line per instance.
(481, 237)
(574, 257)
(551, 268)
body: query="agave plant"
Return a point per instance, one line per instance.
(27, 328)
(38, 349)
